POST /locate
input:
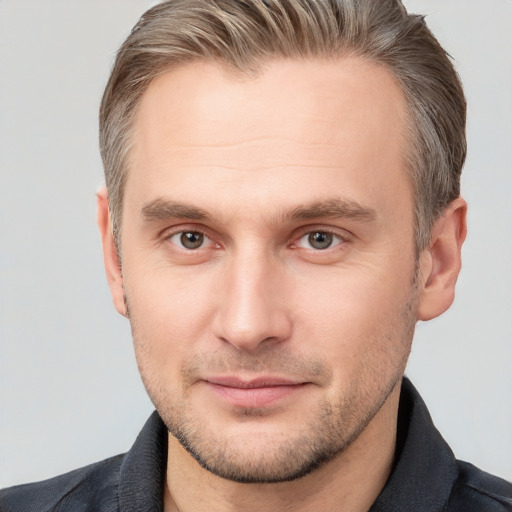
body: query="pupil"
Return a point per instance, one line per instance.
(320, 240)
(191, 239)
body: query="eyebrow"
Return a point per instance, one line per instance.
(334, 208)
(164, 209)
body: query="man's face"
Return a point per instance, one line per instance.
(268, 259)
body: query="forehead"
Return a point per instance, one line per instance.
(306, 121)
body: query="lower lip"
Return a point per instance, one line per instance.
(254, 398)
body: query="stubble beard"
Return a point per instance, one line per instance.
(325, 434)
(277, 458)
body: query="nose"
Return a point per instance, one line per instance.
(253, 301)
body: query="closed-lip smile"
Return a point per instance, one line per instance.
(257, 392)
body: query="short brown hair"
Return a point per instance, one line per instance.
(244, 34)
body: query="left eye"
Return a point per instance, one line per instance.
(319, 240)
(189, 239)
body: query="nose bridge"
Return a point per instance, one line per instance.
(252, 306)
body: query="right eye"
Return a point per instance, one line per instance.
(189, 240)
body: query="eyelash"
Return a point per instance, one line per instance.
(338, 238)
(335, 235)
(170, 235)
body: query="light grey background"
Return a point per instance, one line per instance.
(69, 388)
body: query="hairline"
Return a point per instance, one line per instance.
(410, 151)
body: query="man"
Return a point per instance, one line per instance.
(282, 207)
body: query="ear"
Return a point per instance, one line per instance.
(440, 263)
(110, 255)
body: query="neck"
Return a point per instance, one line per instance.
(350, 482)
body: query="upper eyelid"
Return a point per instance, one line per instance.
(339, 232)
(190, 228)
(297, 233)
(206, 239)
(166, 234)
(326, 231)
(341, 240)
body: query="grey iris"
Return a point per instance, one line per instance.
(191, 239)
(320, 239)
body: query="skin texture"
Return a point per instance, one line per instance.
(251, 169)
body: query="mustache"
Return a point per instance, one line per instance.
(282, 362)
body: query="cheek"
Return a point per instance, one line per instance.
(357, 322)
(169, 315)
(168, 297)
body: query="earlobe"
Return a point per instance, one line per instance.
(440, 263)
(110, 253)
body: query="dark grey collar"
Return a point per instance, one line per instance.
(422, 478)
(142, 474)
(425, 468)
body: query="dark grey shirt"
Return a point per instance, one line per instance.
(426, 476)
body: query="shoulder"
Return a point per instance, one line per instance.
(478, 491)
(92, 487)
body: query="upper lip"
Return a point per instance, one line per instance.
(258, 382)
